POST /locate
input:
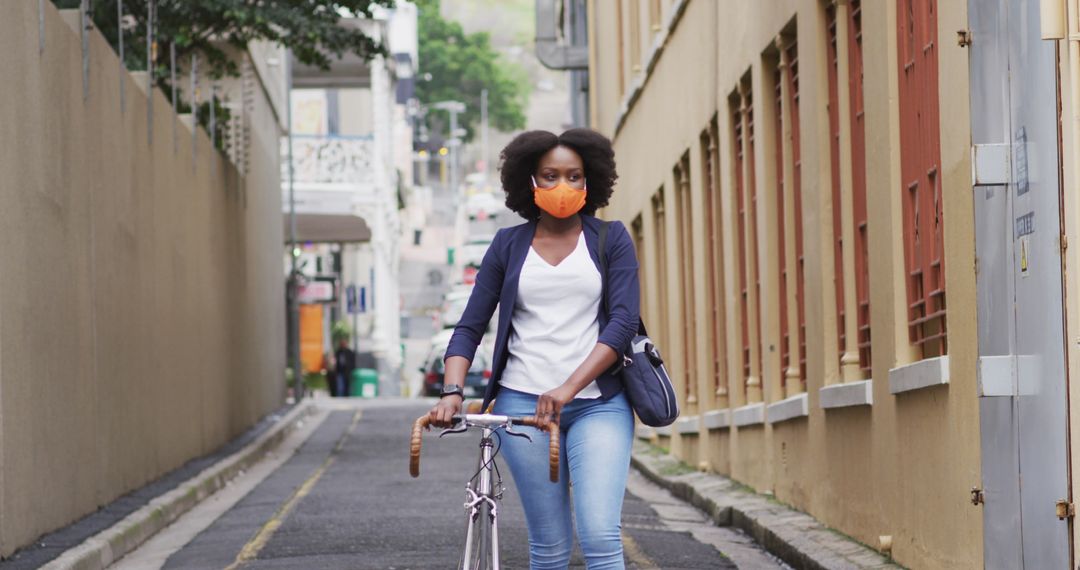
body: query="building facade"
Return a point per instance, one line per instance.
(848, 301)
(352, 152)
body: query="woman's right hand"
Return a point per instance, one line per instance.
(442, 415)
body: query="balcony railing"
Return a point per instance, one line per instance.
(329, 160)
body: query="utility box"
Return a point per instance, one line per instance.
(364, 383)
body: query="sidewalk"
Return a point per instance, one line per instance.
(795, 537)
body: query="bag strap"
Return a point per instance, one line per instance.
(603, 274)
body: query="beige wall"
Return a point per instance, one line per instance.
(905, 465)
(140, 285)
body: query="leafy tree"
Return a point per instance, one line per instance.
(311, 28)
(460, 66)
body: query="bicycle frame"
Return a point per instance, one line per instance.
(483, 491)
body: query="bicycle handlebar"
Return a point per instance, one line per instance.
(423, 422)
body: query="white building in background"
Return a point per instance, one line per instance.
(352, 147)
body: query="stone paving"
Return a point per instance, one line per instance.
(795, 537)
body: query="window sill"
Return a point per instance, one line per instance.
(752, 414)
(847, 394)
(925, 373)
(686, 425)
(717, 419)
(788, 409)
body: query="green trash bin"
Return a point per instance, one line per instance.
(364, 383)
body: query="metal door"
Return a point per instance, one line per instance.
(1022, 380)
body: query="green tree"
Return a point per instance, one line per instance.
(311, 28)
(460, 66)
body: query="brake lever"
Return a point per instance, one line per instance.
(510, 431)
(461, 427)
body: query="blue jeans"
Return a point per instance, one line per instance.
(594, 458)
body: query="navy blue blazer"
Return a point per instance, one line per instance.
(497, 284)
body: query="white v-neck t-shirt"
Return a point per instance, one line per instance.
(555, 322)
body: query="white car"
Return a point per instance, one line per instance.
(473, 250)
(483, 206)
(453, 306)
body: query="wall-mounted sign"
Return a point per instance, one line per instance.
(316, 292)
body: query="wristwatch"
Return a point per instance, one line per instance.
(451, 390)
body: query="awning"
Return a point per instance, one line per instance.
(328, 228)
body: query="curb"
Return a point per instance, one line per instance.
(795, 537)
(111, 544)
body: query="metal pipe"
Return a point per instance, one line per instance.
(484, 131)
(1052, 19)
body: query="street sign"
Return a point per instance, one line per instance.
(351, 305)
(316, 292)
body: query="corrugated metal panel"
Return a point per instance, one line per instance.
(920, 151)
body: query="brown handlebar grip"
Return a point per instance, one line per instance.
(418, 428)
(553, 448)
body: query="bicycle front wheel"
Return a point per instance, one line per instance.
(479, 547)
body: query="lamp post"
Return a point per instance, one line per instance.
(454, 141)
(292, 285)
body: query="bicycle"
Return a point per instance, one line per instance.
(484, 489)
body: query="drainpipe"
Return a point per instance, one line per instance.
(553, 47)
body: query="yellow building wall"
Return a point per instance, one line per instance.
(905, 465)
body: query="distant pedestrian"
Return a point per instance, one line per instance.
(344, 364)
(557, 341)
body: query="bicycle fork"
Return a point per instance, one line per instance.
(483, 494)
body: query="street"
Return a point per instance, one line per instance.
(344, 499)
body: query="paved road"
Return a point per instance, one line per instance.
(345, 500)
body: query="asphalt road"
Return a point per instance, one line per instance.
(345, 500)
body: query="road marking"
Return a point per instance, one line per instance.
(636, 555)
(255, 545)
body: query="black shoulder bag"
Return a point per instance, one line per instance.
(646, 381)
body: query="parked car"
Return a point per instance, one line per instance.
(483, 206)
(454, 305)
(476, 379)
(474, 249)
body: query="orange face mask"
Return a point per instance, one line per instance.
(561, 201)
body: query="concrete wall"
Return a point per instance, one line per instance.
(903, 466)
(141, 295)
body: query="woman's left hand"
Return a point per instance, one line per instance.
(550, 404)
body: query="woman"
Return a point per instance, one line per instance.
(555, 344)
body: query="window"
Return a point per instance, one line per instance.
(635, 37)
(920, 152)
(714, 262)
(789, 234)
(688, 312)
(858, 170)
(637, 231)
(856, 190)
(740, 214)
(660, 243)
(745, 207)
(654, 15)
(620, 46)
